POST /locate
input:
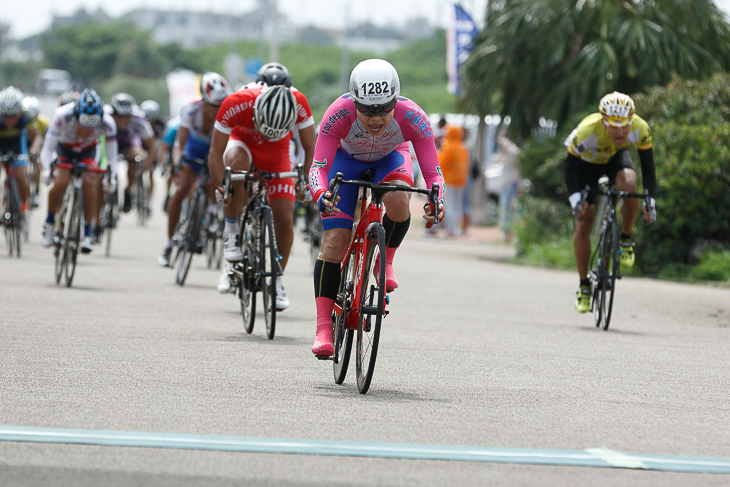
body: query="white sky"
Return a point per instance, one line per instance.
(34, 16)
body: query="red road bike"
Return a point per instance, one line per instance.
(361, 297)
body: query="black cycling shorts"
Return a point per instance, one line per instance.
(589, 174)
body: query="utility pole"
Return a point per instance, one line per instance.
(274, 35)
(345, 46)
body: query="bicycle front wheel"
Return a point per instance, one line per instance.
(60, 242)
(370, 308)
(12, 219)
(269, 268)
(247, 287)
(190, 233)
(141, 200)
(606, 272)
(343, 336)
(73, 239)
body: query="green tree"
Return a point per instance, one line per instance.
(97, 51)
(551, 58)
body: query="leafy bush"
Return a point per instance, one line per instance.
(693, 192)
(542, 221)
(713, 266)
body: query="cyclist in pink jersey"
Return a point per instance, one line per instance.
(368, 128)
(252, 129)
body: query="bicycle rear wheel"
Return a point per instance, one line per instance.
(73, 239)
(343, 336)
(247, 288)
(371, 307)
(269, 268)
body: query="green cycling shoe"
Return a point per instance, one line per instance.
(627, 253)
(583, 299)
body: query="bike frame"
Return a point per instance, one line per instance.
(371, 214)
(606, 255)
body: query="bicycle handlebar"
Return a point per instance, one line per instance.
(432, 193)
(612, 191)
(230, 175)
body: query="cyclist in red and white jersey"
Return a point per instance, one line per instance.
(368, 128)
(301, 143)
(253, 128)
(73, 134)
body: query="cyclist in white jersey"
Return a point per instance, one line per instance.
(73, 134)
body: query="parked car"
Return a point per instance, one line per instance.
(53, 81)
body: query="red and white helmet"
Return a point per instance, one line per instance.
(214, 88)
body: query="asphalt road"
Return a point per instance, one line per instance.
(475, 352)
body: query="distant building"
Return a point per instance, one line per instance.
(192, 29)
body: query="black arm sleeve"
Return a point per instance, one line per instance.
(648, 171)
(570, 173)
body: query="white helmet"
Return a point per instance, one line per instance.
(150, 108)
(32, 106)
(275, 111)
(374, 82)
(11, 101)
(214, 88)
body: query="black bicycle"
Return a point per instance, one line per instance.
(312, 227)
(11, 216)
(190, 238)
(140, 195)
(108, 218)
(260, 267)
(605, 263)
(69, 222)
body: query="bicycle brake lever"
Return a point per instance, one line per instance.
(226, 182)
(335, 189)
(433, 203)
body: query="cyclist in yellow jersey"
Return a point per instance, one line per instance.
(32, 106)
(599, 146)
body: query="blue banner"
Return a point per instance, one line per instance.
(460, 35)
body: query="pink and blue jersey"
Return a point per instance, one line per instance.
(344, 145)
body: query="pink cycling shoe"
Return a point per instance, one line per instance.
(391, 283)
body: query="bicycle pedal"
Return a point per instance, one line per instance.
(325, 357)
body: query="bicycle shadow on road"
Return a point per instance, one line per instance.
(375, 394)
(612, 330)
(261, 338)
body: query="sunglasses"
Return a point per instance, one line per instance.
(376, 110)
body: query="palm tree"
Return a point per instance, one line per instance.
(552, 58)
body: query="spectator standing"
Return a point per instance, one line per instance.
(454, 162)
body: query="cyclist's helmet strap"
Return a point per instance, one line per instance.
(374, 82)
(275, 112)
(11, 101)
